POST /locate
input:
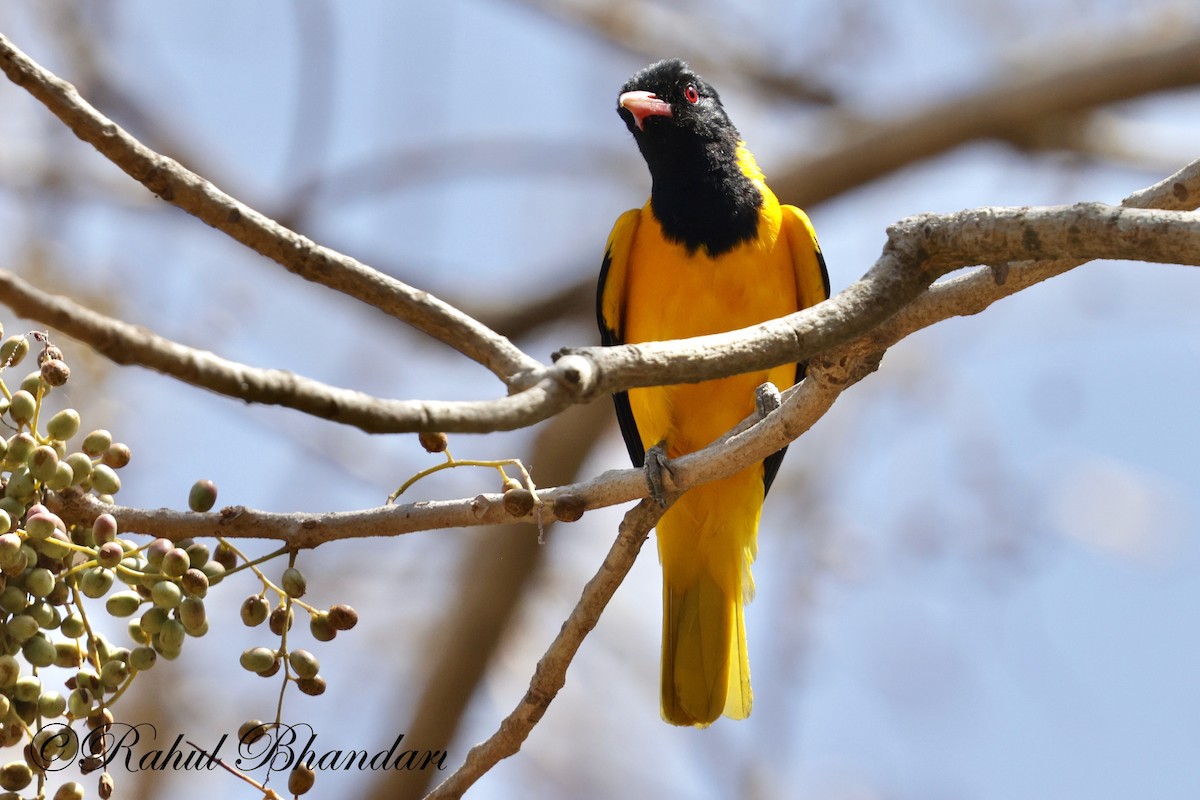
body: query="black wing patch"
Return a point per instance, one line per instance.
(608, 338)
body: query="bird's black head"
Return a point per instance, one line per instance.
(667, 102)
(701, 196)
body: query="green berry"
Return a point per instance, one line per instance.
(156, 550)
(192, 614)
(10, 670)
(73, 627)
(10, 547)
(79, 702)
(171, 637)
(39, 651)
(21, 407)
(96, 442)
(166, 594)
(213, 570)
(109, 554)
(197, 553)
(194, 583)
(255, 609)
(63, 425)
(55, 546)
(321, 628)
(71, 790)
(294, 582)
(96, 582)
(175, 563)
(27, 689)
(280, 620)
(21, 446)
(136, 632)
(39, 582)
(46, 615)
(40, 525)
(13, 507)
(257, 659)
(154, 619)
(81, 467)
(203, 496)
(52, 704)
(13, 350)
(225, 556)
(301, 779)
(123, 604)
(21, 485)
(22, 628)
(142, 658)
(113, 674)
(87, 679)
(12, 598)
(104, 480)
(43, 463)
(303, 663)
(67, 655)
(15, 776)
(251, 731)
(63, 477)
(32, 383)
(104, 528)
(116, 455)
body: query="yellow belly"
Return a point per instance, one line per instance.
(673, 295)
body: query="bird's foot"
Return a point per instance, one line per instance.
(767, 399)
(658, 467)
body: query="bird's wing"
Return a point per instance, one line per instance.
(610, 307)
(812, 286)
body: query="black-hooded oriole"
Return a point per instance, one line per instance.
(713, 250)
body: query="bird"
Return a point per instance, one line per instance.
(712, 250)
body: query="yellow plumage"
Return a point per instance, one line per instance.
(656, 289)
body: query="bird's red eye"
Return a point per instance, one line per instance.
(691, 94)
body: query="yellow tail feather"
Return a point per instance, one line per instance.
(706, 543)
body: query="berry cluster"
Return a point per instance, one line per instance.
(53, 575)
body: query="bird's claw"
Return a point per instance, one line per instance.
(767, 399)
(657, 466)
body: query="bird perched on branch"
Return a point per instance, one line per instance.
(713, 250)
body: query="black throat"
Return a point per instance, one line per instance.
(701, 197)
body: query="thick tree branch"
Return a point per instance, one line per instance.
(919, 251)
(177, 185)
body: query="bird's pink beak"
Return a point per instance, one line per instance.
(642, 105)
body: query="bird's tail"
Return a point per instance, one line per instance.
(706, 542)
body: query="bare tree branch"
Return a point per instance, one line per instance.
(177, 185)
(551, 672)
(920, 250)
(655, 31)
(132, 344)
(1023, 102)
